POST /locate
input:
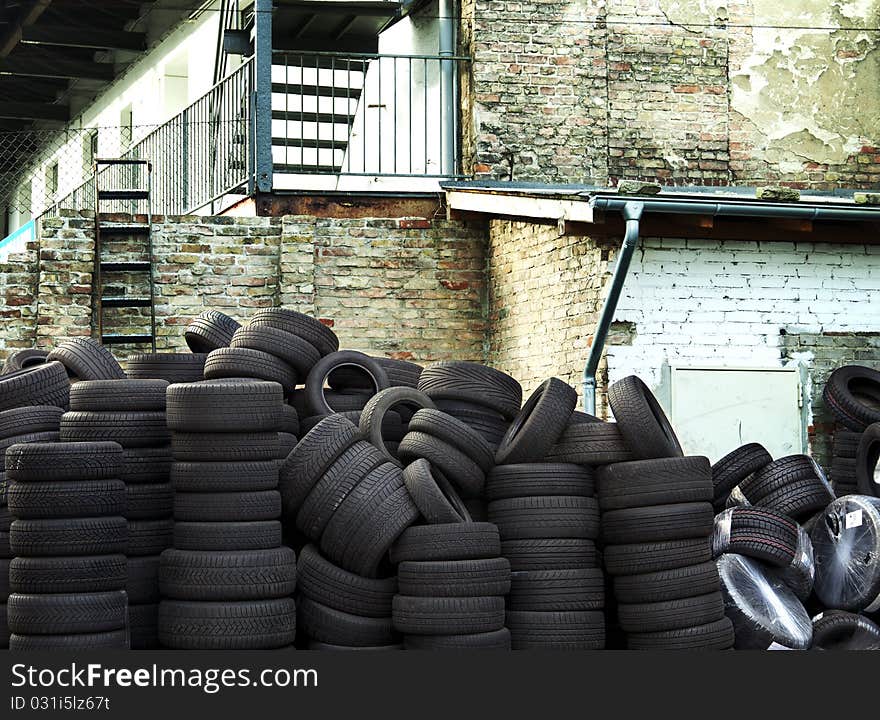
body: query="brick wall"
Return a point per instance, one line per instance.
(18, 291)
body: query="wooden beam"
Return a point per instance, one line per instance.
(84, 37)
(27, 16)
(30, 62)
(34, 111)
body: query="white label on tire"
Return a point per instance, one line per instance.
(853, 519)
(819, 616)
(777, 646)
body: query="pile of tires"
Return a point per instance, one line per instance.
(734, 468)
(68, 537)
(86, 359)
(227, 582)
(657, 522)
(132, 414)
(211, 330)
(21, 359)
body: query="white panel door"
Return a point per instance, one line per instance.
(715, 411)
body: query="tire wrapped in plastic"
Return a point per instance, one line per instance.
(800, 574)
(840, 630)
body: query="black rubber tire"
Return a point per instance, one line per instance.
(489, 425)
(90, 498)
(330, 647)
(289, 420)
(844, 471)
(401, 373)
(433, 494)
(671, 614)
(840, 630)
(129, 428)
(45, 384)
(716, 635)
(300, 354)
(495, 640)
(658, 522)
(23, 359)
(590, 443)
(642, 422)
(148, 501)
(146, 465)
(149, 537)
(222, 406)
(320, 580)
(225, 447)
(550, 554)
(174, 368)
(87, 359)
(222, 536)
(447, 615)
(666, 585)
(315, 396)
(227, 507)
(477, 509)
(28, 420)
(5, 550)
(580, 630)
(319, 449)
(330, 625)
(852, 394)
(455, 432)
(664, 481)
(539, 425)
(550, 516)
(304, 326)
(113, 640)
(649, 557)
(778, 475)
(142, 584)
(472, 382)
(67, 613)
(118, 395)
(31, 439)
(557, 590)
(209, 331)
(867, 476)
(251, 625)
(143, 622)
(531, 479)
(66, 574)
(243, 363)
(735, 467)
(454, 578)
(334, 486)
(457, 541)
(393, 428)
(457, 467)
(68, 536)
(846, 443)
(230, 575)
(757, 532)
(373, 415)
(218, 477)
(800, 500)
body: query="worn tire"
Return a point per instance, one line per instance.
(66, 499)
(330, 625)
(373, 414)
(778, 475)
(539, 425)
(455, 432)
(45, 384)
(23, 359)
(671, 614)
(219, 477)
(304, 326)
(118, 395)
(447, 615)
(68, 536)
(223, 536)
(128, 428)
(474, 383)
(67, 613)
(867, 456)
(227, 506)
(146, 465)
(315, 395)
(557, 590)
(210, 331)
(171, 367)
(28, 420)
(495, 640)
(31, 439)
(433, 494)
(554, 516)
(667, 585)
(852, 393)
(571, 630)
(648, 557)
(244, 363)
(67, 574)
(225, 447)
(642, 422)
(222, 406)
(716, 635)
(455, 578)
(590, 443)
(46, 462)
(663, 481)
(148, 501)
(530, 479)
(735, 467)
(87, 359)
(149, 537)
(550, 554)
(457, 467)
(457, 541)
(300, 354)
(658, 522)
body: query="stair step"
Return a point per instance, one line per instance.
(132, 266)
(330, 91)
(309, 143)
(114, 339)
(121, 302)
(123, 194)
(311, 117)
(300, 169)
(310, 62)
(120, 161)
(124, 229)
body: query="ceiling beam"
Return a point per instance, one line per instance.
(34, 111)
(27, 16)
(84, 37)
(33, 62)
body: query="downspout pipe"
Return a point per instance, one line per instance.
(632, 212)
(447, 87)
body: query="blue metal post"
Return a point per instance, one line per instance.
(262, 94)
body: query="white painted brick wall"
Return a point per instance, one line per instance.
(723, 303)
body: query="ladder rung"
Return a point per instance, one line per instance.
(120, 161)
(125, 302)
(127, 229)
(312, 117)
(132, 266)
(126, 339)
(309, 143)
(123, 194)
(330, 91)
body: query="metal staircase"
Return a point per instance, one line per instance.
(132, 189)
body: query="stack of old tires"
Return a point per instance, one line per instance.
(68, 572)
(557, 596)
(132, 414)
(228, 582)
(209, 331)
(657, 523)
(22, 359)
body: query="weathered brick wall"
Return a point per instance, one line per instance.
(408, 287)
(683, 92)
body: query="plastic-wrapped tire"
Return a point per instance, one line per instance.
(765, 612)
(373, 414)
(839, 630)
(581, 630)
(760, 533)
(455, 578)
(539, 424)
(68, 536)
(222, 406)
(227, 507)
(250, 625)
(116, 395)
(300, 354)
(303, 326)
(45, 384)
(149, 537)
(28, 420)
(210, 331)
(329, 625)
(658, 522)
(590, 443)
(474, 383)
(557, 516)
(146, 465)
(222, 536)
(317, 401)
(171, 367)
(866, 466)
(800, 500)
(227, 363)
(22, 359)
(495, 640)
(642, 422)
(433, 494)
(320, 580)
(778, 475)
(45, 462)
(665, 585)
(557, 590)
(67, 613)
(664, 481)
(735, 467)
(717, 635)
(550, 554)
(67, 574)
(208, 477)
(87, 359)
(90, 498)
(142, 584)
(533, 479)
(447, 615)
(225, 447)
(852, 393)
(230, 575)
(456, 541)
(456, 467)
(128, 428)
(648, 557)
